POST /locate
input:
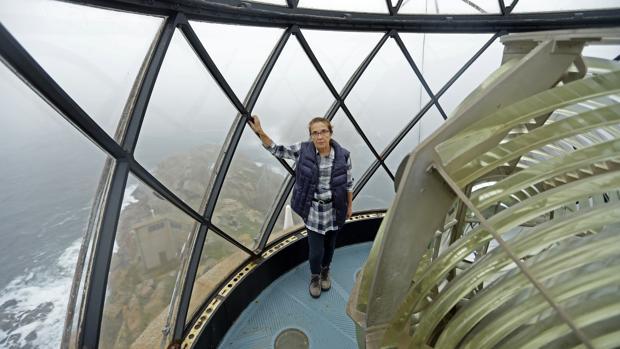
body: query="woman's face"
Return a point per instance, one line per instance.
(320, 134)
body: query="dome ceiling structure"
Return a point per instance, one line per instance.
(132, 187)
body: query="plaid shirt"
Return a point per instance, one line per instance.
(321, 217)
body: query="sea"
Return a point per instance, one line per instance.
(45, 202)
(47, 188)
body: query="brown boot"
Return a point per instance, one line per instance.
(326, 282)
(315, 286)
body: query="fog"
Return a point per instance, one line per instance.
(50, 171)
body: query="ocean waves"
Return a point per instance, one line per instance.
(33, 306)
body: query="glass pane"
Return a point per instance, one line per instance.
(293, 95)
(347, 136)
(185, 124)
(249, 191)
(219, 258)
(406, 146)
(340, 53)
(566, 5)
(424, 128)
(93, 54)
(386, 96)
(378, 193)
(443, 54)
(49, 177)
(430, 122)
(150, 239)
(229, 45)
(376, 6)
(610, 52)
(282, 226)
(487, 63)
(450, 7)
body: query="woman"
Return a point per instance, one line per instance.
(322, 195)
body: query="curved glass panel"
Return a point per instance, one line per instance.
(249, 191)
(610, 52)
(218, 260)
(487, 63)
(238, 51)
(347, 136)
(450, 7)
(283, 224)
(442, 55)
(293, 94)
(185, 124)
(424, 128)
(381, 100)
(150, 240)
(340, 53)
(430, 122)
(376, 6)
(377, 193)
(566, 5)
(49, 177)
(95, 55)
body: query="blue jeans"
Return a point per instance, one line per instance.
(320, 249)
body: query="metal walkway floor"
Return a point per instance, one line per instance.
(286, 304)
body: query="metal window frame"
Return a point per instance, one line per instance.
(24, 65)
(125, 163)
(222, 164)
(338, 103)
(341, 100)
(224, 160)
(394, 143)
(255, 13)
(241, 12)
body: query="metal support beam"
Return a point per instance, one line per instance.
(417, 72)
(223, 163)
(390, 8)
(134, 123)
(399, 137)
(502, 7)
(304, 44)
(205, 58)
(267, 228)
(97, 278)
(467, 64)
(187, 285)
(394, 143)
(285, 190)
(512, 6)
(347, 89)
(315, 62)
(163, 191)
(366, 140)
(356, 76)
(104, 244)
(256, 13)
(228, 149)
(398, 5)
(20, 61)
(365, 177)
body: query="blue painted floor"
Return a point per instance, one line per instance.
(286, 304)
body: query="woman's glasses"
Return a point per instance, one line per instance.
(316, 134)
